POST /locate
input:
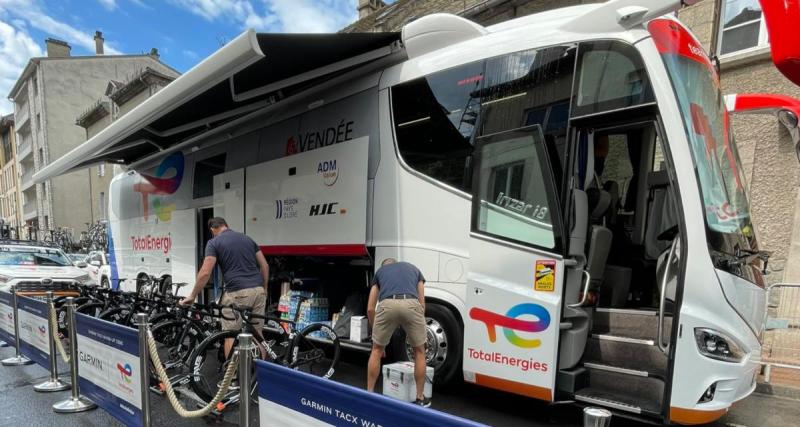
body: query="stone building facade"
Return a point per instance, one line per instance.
(765, 147)
(51, 92)
(10, 205)
(118, 99)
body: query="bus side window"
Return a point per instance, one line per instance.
(434, 119)
(612, 76)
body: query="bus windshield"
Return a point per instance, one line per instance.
(706, 120)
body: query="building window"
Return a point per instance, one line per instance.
(743, 26)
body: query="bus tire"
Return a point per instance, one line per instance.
(446, 335)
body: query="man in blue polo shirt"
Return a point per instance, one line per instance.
(245, 274)
(397, 298)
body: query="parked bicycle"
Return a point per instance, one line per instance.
(314, 350)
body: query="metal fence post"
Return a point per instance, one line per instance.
(144, 367)
(596, 417)
(245, 349)
(54, 383)
(18, 359)
(76, 403)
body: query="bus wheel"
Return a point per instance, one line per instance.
(444, 345)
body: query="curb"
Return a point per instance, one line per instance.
(778, 390)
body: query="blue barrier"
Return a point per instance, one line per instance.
(7, 318)
(34, 330)
(108, 358)
(292, 398)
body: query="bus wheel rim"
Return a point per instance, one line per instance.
(436, 344)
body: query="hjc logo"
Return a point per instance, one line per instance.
(510, 323)
(323, 209)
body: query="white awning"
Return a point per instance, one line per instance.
(250, 73)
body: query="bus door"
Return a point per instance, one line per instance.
(515, 282)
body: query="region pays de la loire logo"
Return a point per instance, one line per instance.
(511, 322)
(125, 372)
(165, 181)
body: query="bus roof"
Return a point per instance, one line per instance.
(255, 72)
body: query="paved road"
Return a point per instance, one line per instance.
(23, 406)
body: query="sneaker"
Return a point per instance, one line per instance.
(424, 402)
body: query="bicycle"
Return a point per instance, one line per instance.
(299, 351)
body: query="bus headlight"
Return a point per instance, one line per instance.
(717, 345)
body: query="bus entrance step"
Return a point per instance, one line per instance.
(625, 391)
(630, 354)
(621, 403)
(639, 324)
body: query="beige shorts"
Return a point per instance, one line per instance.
(250, 297)
(406, 313)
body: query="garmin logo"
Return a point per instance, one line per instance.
(90, 360)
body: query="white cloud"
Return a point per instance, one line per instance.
(190, 54)
(313, 16)
(16, 47)
(288, 16)
(32, 13)
(108, 4)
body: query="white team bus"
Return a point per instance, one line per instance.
(567, 182)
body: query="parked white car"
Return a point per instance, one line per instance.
(98, 268)
(31, 267)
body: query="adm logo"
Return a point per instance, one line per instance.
(329, 172)
(511, 322)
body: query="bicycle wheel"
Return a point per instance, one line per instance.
(315, 350)
(118, 315)
(208, 365)
(174, 341)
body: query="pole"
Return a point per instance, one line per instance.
(18, 359)
(596, 417)
(54, 383)
(245, 349)
(76, 403)
(144, 367)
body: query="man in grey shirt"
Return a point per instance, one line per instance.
(397, 298)
(245, 273)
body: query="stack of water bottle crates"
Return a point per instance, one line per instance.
(312, 310)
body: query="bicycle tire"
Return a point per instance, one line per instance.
(207, 364)
(174, 354)
(92, 309)
(309, 351)
(116, 315)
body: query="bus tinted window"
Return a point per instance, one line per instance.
(204, 171)
(515, 195)
(434, 120)
(527, 88)
(612, 76)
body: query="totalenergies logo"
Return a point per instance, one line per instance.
(126, 372)
(160, 185)
(511, 323)
(42, 330)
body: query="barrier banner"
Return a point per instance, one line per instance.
(108, 361)
(7, 318)
(291, 398)
(34, 330)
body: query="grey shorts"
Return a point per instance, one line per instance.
(405, 313)
(249, 297)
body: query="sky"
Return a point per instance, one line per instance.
(183, 31)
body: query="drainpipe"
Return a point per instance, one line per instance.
(716, 28)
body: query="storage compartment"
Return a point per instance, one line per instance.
(399, 382)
